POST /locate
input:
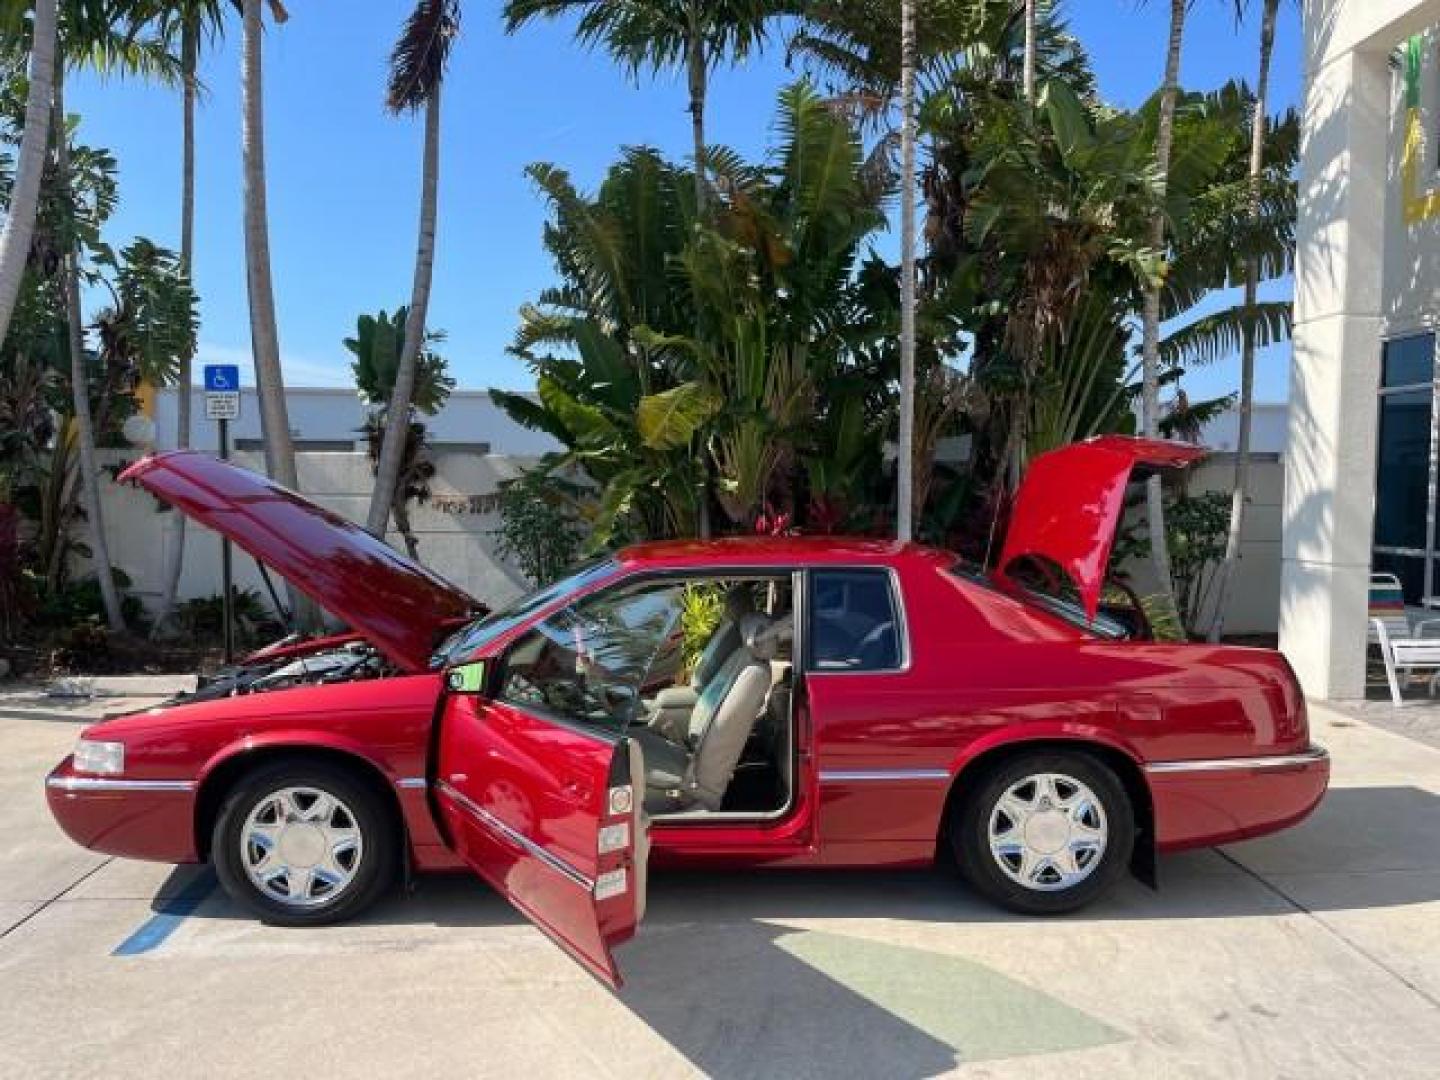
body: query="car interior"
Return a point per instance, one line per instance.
(854, 622)
(698, 671)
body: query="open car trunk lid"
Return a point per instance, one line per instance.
(398, 605)
(1069, 505)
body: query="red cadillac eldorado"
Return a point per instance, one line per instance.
(754, 702)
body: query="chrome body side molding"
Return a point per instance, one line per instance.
(514, 837)
(849, 776)
(106, 783)
(1311, 756)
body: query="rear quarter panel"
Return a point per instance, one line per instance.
(988, 671)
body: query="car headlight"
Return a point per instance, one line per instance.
(99, 757)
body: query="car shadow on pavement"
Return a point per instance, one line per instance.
(732, 971)
(1387, 838)
(750, 999)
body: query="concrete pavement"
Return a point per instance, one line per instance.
(1315, 953)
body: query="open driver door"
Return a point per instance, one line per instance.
(550, 813)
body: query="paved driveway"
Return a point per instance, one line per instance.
(1312, 954)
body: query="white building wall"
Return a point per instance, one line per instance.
(331, 415)
(455, 529)
(1254, 606)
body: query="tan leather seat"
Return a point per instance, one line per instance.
(730, 703)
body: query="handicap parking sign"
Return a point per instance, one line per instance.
(222, 391)
(222, 378)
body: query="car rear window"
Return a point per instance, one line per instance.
(1053, 602)
(854, 622)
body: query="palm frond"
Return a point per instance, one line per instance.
(417, 63)
(1220, 334)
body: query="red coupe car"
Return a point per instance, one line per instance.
(755, 702)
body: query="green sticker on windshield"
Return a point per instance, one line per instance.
(467, 678)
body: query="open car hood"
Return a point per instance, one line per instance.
(399, 606)
(1069, 505)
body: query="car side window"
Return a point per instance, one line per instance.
(589, 663)
(854, 621)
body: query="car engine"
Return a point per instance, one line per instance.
(350, 662)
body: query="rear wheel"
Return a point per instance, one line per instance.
(305, 844)
(1045, 833)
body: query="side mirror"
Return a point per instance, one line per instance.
(466, 678)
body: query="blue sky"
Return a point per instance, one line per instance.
(344, 175)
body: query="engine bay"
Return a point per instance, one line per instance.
(351, 661)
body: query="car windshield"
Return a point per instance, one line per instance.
(1062, 607)
(473, 636)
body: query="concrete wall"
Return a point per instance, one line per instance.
(455, 529)
(1255, 600)
(332, 414)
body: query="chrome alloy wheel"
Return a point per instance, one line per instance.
(1048, 832)
(301, 846)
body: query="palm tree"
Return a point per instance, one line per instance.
(25, 195)
(905, 459)
(417, 71)
(1247, 347)
(264, 334)
(88, 35)
(1028, 81)
(794, 364)
(378, 346)
(189, 20)
(659, 34)
(80, 381)
(1150, 317)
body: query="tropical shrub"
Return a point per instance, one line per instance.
(203, 618)
(78, 602)
(688, 365)
(541, 528)
(702, 607)
(1195, 529)
(376, 346)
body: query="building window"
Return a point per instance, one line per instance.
(1405, 466)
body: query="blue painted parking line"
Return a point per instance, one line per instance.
(153, 932)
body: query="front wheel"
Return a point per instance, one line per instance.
(305, 844)
(1045, 833)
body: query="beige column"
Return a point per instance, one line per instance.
(1330, 455)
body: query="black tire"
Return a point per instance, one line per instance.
(982, 869)
(373, 872)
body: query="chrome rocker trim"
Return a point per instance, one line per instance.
(518, 839)
(848, 776)
(1273, 761)
(101, 783)
(411, 783)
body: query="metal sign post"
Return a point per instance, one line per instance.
(222, 404)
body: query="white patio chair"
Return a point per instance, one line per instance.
(1404, 646)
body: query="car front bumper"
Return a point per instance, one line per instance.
(138, 818)
(1218, 801)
